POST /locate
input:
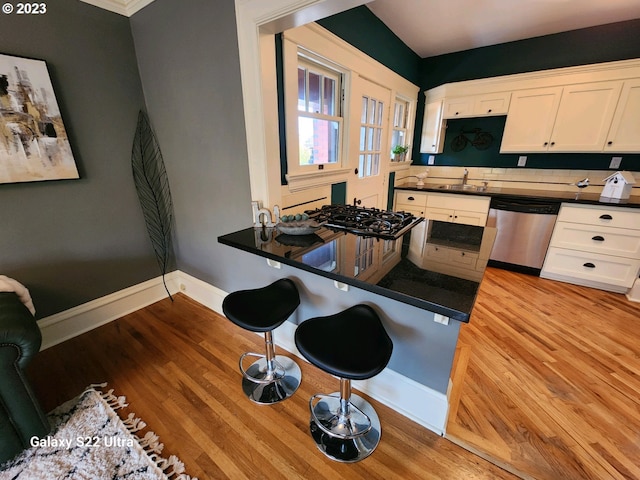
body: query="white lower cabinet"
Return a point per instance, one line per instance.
(467, 209)
(595, 246)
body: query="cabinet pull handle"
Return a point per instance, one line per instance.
(609, 142)
(410, 198)
(545, 144)
(606, 216)
(489, 111)
(598, 238)
(553, 143)
(589, 265)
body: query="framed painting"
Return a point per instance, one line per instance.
(33, 141)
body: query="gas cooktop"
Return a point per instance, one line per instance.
(371, 222)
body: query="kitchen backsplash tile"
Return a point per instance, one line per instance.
(532, 179)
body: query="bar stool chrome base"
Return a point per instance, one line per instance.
(267, 386)
(348, 437)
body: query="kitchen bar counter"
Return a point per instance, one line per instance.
(579, 196)
(380, 266)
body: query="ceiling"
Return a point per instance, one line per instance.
(435, 27)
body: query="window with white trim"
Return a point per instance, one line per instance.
(319, 114)
(400, 135)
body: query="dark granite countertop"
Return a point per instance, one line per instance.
(332, 254)
(579, 196)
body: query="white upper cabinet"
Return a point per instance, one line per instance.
(624, 135)
(530, 120)
(476, 105)
(584, 117)
(574, 118)
(432, 140)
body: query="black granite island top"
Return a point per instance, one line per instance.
(384, 267)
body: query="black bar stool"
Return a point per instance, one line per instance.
(272, 378)
(352, 345)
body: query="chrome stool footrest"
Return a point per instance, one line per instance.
(344, 438)
(266, 385)
(329, 417)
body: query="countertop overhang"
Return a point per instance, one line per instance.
(578, 196)
(331, 254)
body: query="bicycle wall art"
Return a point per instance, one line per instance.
(33, 140)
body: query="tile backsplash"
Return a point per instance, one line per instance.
(530, 178)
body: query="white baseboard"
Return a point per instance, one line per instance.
(83, 318)
(421, 404)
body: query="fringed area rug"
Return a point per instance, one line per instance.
(90, 441)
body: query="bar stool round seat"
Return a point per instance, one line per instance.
(271, 378)
(352, 345)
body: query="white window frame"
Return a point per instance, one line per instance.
(410, 113)
(325, 48)
(322, 69)
(306, 176)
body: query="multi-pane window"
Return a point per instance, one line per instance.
(399, 136)
(364, 255)
(370, 136)
(319, 113)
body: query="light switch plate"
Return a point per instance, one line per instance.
(615, 162)
(522, 161)
(432, 160)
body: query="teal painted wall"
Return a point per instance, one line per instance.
(362, 29)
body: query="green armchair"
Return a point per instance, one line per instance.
(21, 416)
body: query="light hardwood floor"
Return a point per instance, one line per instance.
(177, 364)
(546, 384)
(547, 380)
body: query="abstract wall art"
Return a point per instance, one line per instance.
(33, 141)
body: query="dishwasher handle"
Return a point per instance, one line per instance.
(534, 206)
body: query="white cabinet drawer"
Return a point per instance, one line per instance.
(607, 217)
(459, 202)
(411, 198)
(593, 267)
(452, 256)
(621, 242)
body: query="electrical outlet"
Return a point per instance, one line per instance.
(522, 161)
(615, 162)
(432, 160)
(440, 319)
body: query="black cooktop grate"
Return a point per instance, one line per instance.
(365, 221)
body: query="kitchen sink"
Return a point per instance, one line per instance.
(463, 187)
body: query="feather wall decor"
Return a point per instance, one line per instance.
(152, 186)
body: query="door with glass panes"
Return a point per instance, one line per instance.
(369, 144)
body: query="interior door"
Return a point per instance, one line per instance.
(369, 145)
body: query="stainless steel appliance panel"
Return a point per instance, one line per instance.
(523, 232)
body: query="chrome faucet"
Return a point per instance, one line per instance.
(465, 176)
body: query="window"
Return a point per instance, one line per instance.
(371, 122)
(319, 114)
(400, 137)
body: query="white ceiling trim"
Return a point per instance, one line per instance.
(122, 7)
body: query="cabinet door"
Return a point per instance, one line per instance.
(440, 214)
(584, 117)
(530, 120)
(458, 107)
(624, 135)
(491, 104)
(432, 140)
(469, 218)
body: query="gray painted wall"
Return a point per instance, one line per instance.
(74, 241)
(188, 60)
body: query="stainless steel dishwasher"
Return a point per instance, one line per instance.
(524, 229)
